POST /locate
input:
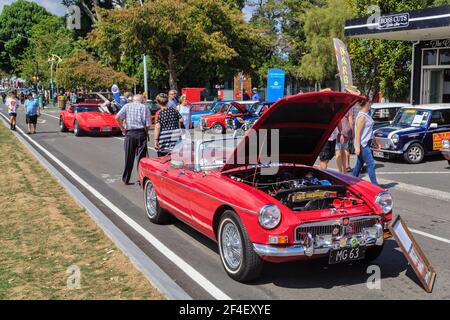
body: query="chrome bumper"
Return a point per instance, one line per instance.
(388, 151)
(319, 247)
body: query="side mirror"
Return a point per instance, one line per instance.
(433, 125)
(176, 164)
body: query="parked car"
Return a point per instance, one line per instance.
(384, 113)
(445, 150)
(415, 132)
(216, 122)
(239, 125)
(84, 118)
(199, 109)
(286, 210)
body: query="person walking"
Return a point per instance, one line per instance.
(136, 117)
(255, 96)
(342, 144)
(363, 141)
(12, 103)
(173, 101)
(167, 129)
(185, 112)
(32, 113)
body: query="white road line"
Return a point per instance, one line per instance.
(418, 172)
(429, 235)
(122, 139)
(50, 115)
(183, 265)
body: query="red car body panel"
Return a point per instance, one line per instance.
(199, 197)
(89, 120)
(212, 119)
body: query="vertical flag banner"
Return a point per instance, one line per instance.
(275, 84)
(343, 62)
(116, 93)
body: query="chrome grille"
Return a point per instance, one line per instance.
(325, 228)
(382, 143)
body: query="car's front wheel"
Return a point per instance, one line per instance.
(62, 125)
(77, 129)
(239, 259)
(217, 128)
(414, 154)
(154, 212)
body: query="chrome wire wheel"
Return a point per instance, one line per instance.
(231, 245)
(217, 129)
(150, 200)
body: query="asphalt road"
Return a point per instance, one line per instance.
(99, 161)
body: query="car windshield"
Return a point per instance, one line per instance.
(411, 118)
(211, 154)
(86, 109)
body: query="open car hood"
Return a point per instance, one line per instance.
(304, 123)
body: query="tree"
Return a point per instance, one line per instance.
(81, 70)
(43, 45)
(180, 34)
(16, 21)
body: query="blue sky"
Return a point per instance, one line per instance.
(54, 6)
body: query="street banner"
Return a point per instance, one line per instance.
(116, 94)
(343, 62)
(275, 84)
(413, 253)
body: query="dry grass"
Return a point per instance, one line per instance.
(43, 232)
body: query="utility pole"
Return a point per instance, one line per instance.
(144, 60)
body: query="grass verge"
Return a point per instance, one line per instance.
(45, 238)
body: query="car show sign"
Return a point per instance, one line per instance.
(275, 84)
(437, 139)
(116, 93)
(413, 253)
(343, 62)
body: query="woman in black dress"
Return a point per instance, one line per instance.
(167, 128)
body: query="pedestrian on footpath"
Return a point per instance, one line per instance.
(136, 117)
(167, 128)
(185, 112)
(173, 101)
(342, 143)
(12, 103)
(33, 111)
(363, 142)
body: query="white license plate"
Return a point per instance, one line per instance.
(107, 129)
(378, 154)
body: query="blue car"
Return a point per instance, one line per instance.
(256, 111)
(414, 133)
(200, 109)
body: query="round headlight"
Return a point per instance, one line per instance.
(384, 201)
(395, 138)
(446, 144)
(269, 216)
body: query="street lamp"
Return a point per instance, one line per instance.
(53, 58)
(144, 58)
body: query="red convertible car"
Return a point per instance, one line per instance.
(87, 118)
(271, 209)
(216, 122)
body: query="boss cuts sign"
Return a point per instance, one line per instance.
(393, 21)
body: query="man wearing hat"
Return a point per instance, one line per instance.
(255, 96)
(32, 112)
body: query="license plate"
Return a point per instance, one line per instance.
(378, 154)
(106, 129)
(346, 255)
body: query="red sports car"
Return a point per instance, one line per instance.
(217, 121)
(276, 208)
(87, 118)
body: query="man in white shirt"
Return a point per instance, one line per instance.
(12, 103)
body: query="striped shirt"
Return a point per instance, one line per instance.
(136, 116)
(170, 134)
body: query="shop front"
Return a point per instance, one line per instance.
(428, 30)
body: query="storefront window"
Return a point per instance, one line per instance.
(429, 57)
(444, 57)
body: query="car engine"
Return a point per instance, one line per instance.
(305, 193)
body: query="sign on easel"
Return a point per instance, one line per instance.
(413, 253)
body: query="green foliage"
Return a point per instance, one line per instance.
(48, 37)
(81, 70)
(16, 21)
(179, 35)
